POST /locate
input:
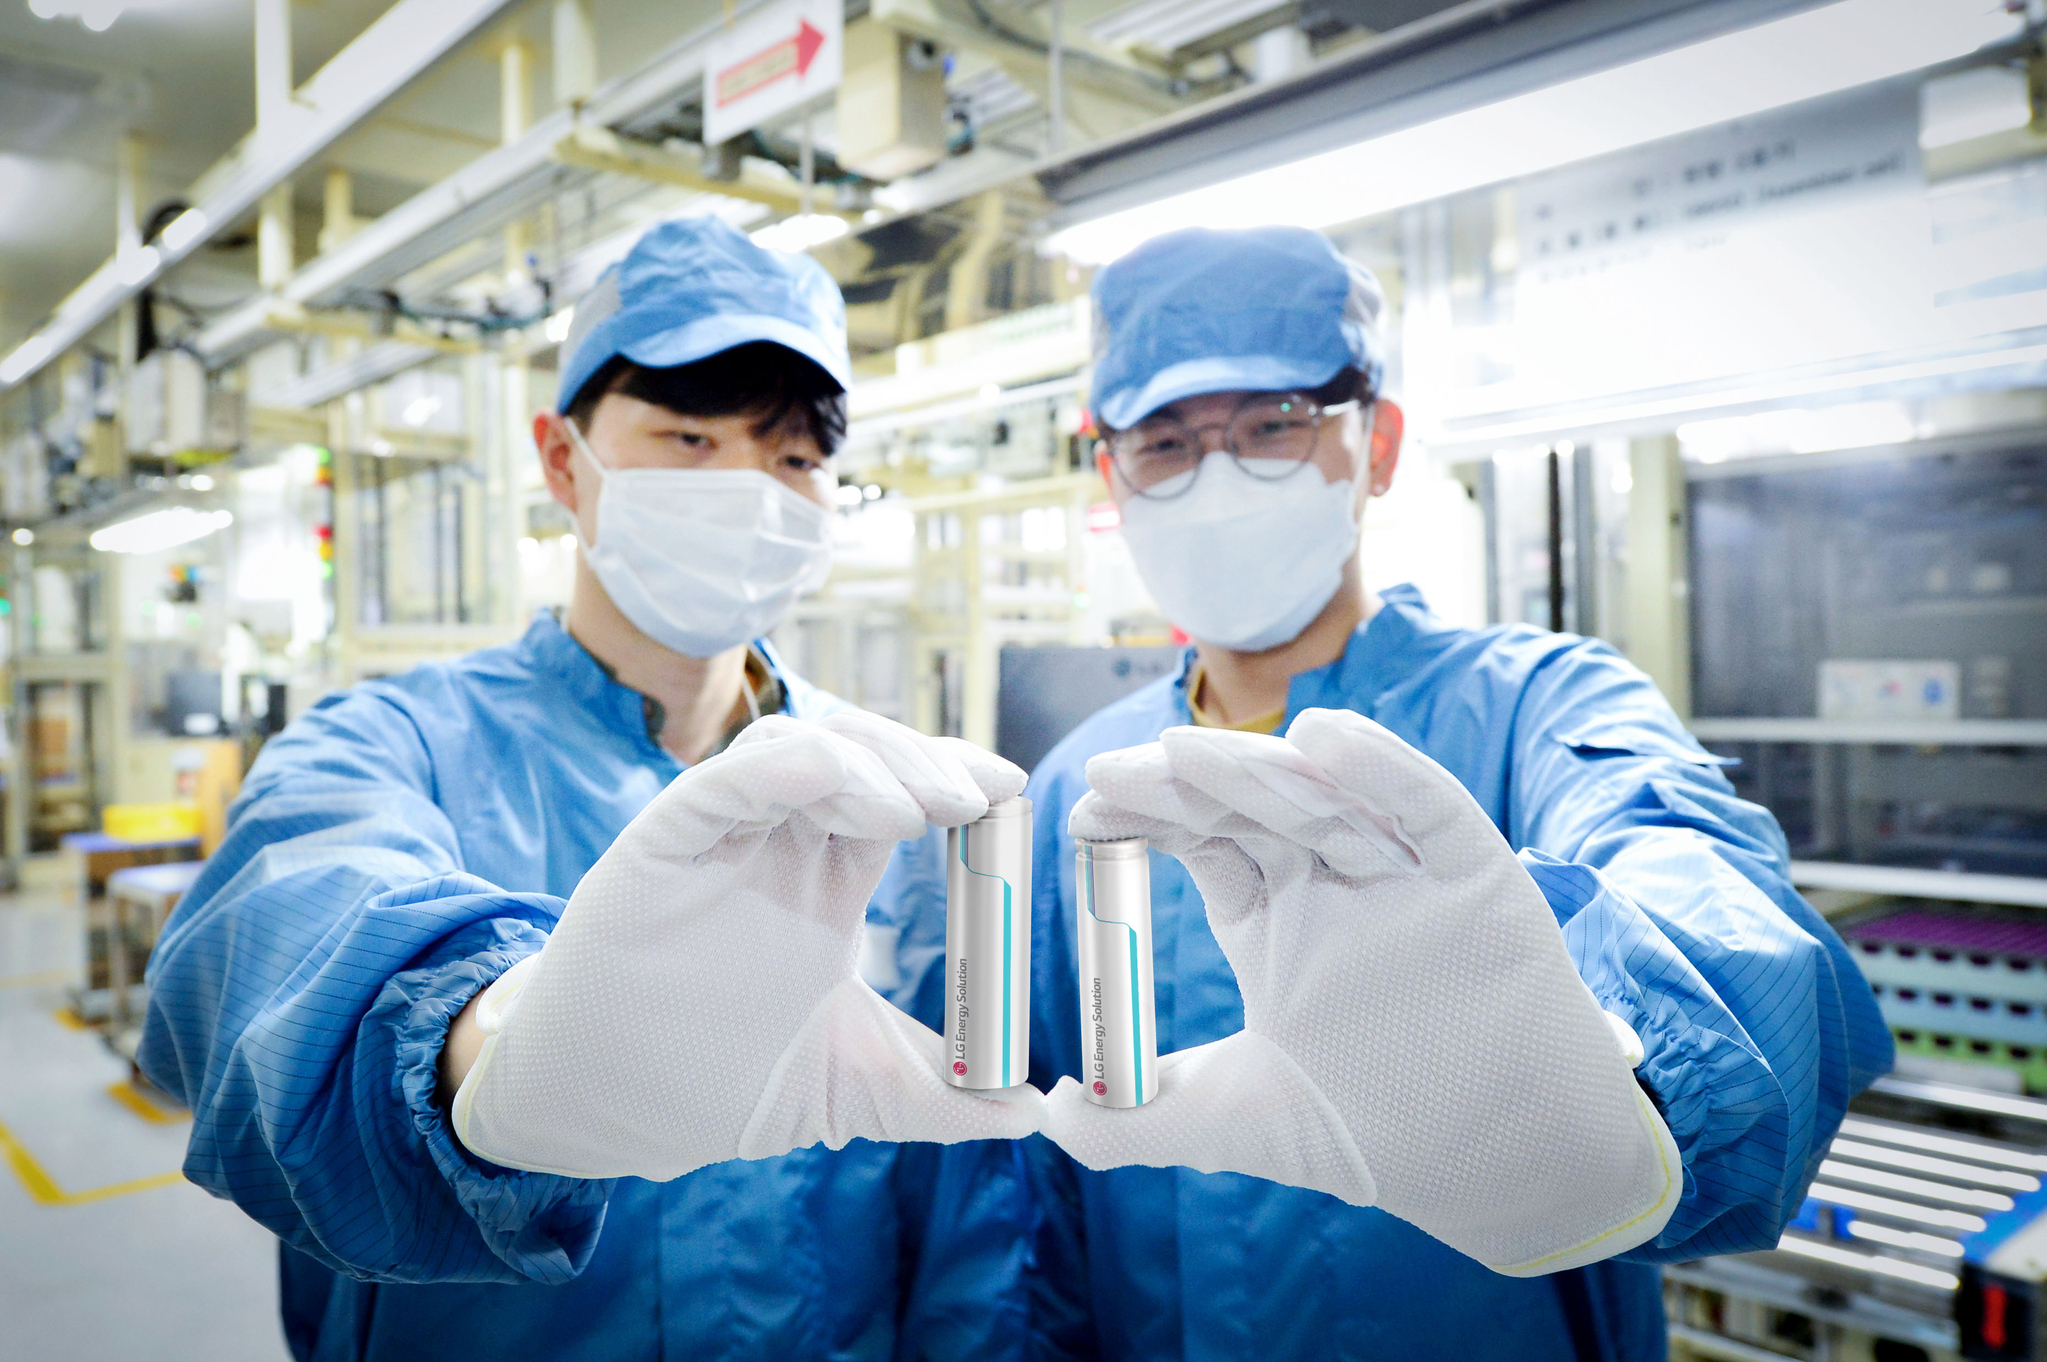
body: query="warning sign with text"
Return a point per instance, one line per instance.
(776, 59)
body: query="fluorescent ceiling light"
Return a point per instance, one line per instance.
(1657, 410)
(801, 232)
(137, 266)
(25, 358)
(160, 530)
(99, 286)
(186, 228)
(1973, 103)
(1733, 76)
(1797, 430)
(559, 325)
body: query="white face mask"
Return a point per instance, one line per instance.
(704, 559)
(1242, 561)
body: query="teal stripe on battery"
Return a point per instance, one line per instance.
(1130, 941)
(987, 1027)
(1006, 962)
(1113, 939)
(1136, 1022)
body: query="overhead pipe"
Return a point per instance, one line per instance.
(473, 200)
(407, 39)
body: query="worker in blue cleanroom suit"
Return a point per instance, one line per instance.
(1226, 355)
(408, 841)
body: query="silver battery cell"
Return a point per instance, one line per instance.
(1119, 1044)
(988, 948)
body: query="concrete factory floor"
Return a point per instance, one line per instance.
(105, 1251)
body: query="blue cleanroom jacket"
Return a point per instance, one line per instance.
(393, 851)
(1673, 899)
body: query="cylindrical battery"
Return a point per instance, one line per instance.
(1119, 1042)
(988, 948)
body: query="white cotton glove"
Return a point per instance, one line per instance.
(1415, 1036)
(698, 1000)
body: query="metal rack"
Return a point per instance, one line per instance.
(1894, 732)
(1905, 1227)
(2022, 890)
(1898, 592)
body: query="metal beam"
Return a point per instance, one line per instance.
(601, 149)
(342, 377)
(406, 40)
(490, 191)
(1125, 93)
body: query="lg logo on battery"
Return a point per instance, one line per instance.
(1101, 1088)
(959, 1068)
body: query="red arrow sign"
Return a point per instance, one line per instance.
(790, 57)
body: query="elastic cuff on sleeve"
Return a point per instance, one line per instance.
(1599, 953)
(1715, 1092)
(544, 1225)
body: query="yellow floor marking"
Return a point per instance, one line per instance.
(68, 1018)
(139, 1102)
(43, 1188)
(48, 976)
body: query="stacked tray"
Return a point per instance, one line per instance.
(1960, 986)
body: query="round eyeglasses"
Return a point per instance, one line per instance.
(1270, 435)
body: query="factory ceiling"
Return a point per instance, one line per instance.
(178, 75)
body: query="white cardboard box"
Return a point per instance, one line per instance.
(1853, 688)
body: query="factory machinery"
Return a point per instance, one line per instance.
(1923, 1236)
(1924, 1233)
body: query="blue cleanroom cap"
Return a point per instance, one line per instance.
(1202, 311)
(695, 287)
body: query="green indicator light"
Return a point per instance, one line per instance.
(6, 606)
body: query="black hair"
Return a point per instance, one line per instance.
(759, 379)
(1349, 385)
